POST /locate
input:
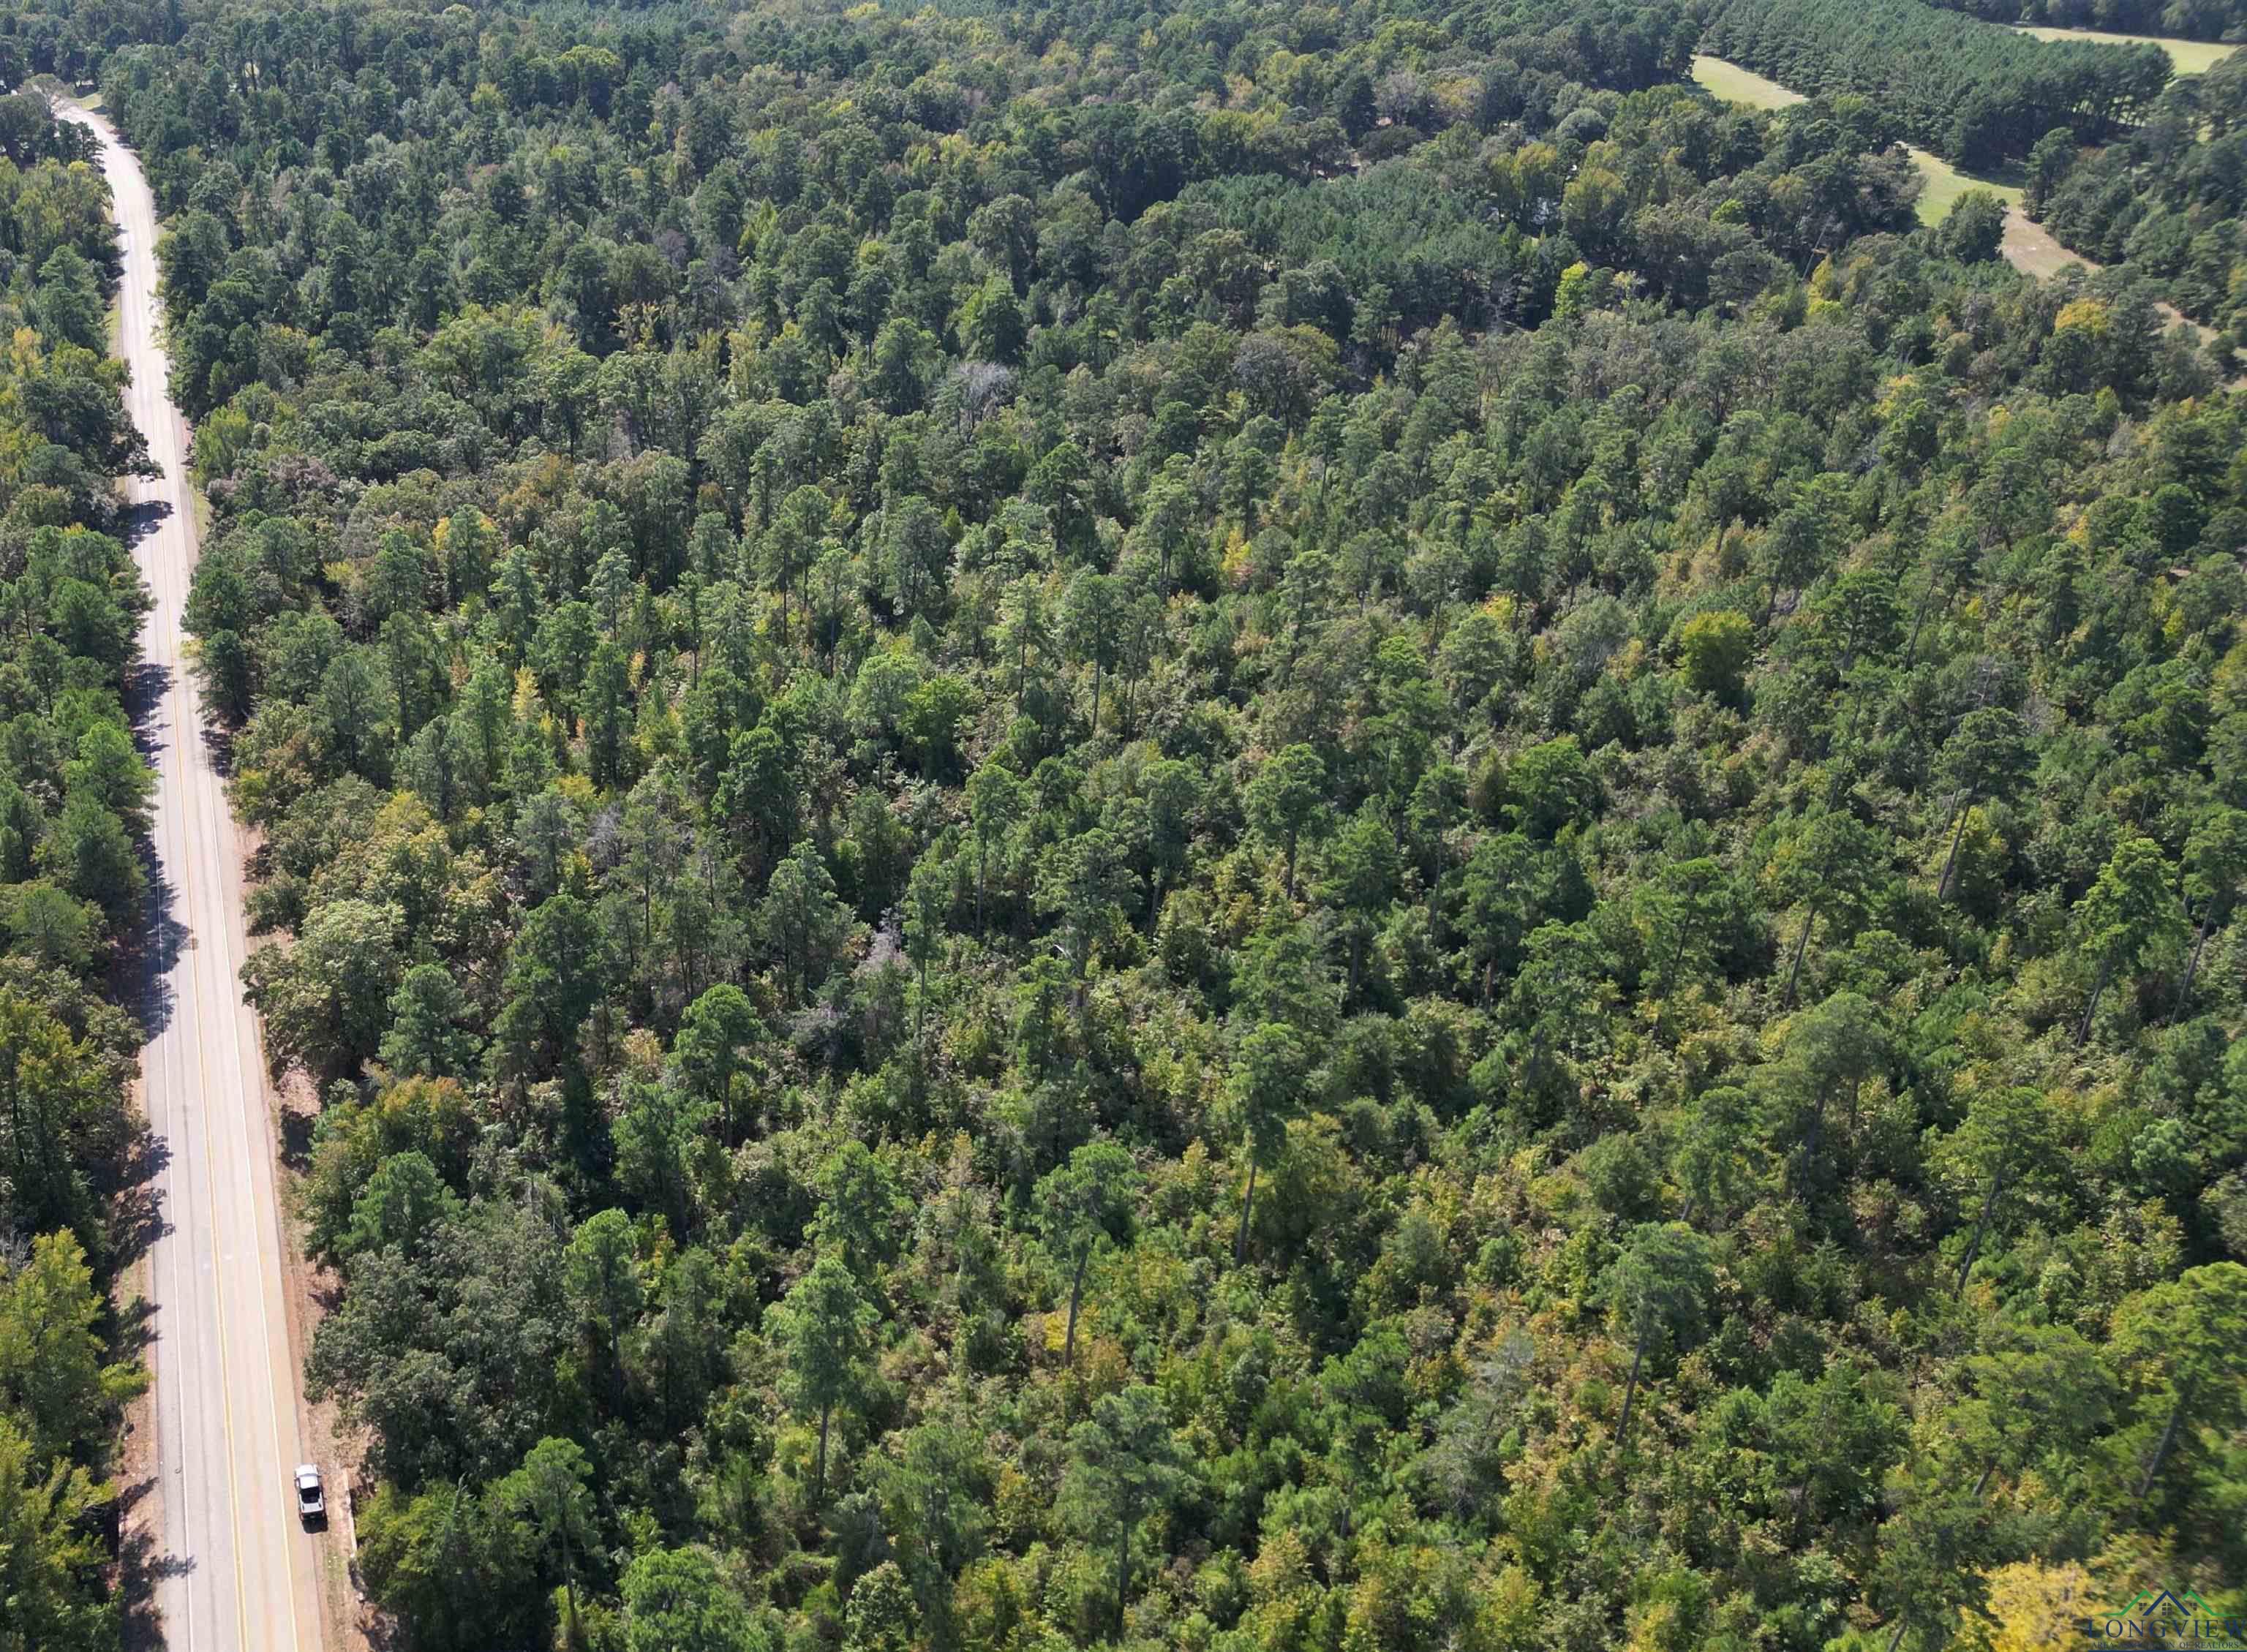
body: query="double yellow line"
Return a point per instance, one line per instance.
(183, 729)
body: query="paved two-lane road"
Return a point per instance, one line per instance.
(235, 1570)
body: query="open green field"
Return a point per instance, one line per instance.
(2190, 57)
(1735, 84)
(1945, 184)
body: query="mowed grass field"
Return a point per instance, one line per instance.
(2190, 57)
(1945, 184)
(1735, 84)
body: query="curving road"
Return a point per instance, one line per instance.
(235, 1572)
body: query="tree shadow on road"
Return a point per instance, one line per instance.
(136, 1210)
(136, 1328)
(140, 1566)
(156, 949)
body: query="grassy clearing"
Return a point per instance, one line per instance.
(1945, 184)
(1735, 84)
(2190, 57)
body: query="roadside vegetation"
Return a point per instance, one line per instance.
(73, 909)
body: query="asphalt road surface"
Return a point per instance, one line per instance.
(236, 1571)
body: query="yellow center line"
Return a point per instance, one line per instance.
(176, 694)
(179, 732)
(187, 1524)
(156, 409)
(171, 1102)
(251, 1119)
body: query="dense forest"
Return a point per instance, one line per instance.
(72, 792)
(2182, 19)
(1978, 95)
(1238, 827)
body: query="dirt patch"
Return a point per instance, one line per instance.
(2028, 247)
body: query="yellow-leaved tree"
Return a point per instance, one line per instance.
(2033, 1605)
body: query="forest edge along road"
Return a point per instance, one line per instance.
(234, 1570)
